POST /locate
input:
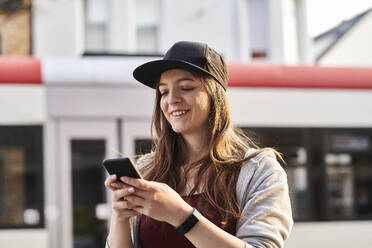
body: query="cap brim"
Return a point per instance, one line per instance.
(149, 72)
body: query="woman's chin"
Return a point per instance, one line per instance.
(180, 129)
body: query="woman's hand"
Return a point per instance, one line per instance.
(158, 201)
(122, 208)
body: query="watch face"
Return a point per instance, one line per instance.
(196, 213)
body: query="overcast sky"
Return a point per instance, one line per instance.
(325, 14)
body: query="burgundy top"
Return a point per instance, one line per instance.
(154, 233)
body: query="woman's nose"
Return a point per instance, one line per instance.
(174, 97)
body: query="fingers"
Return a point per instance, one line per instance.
(138, 183)
(117, 185)
(120, 190)
(111, 183)
(140, 210)
(121, 206)
(109, 180)
(119, 194)
(141, 193)
(125, 208)
(127, 214)
(134, 200)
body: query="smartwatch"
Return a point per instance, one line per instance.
(189, 223)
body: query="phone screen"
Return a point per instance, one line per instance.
(121, 167)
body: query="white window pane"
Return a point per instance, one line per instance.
(147, 19)
(95, 38)
(95, 25)
(258, 21)
(96, 11)
(147, 12)
(147, 39)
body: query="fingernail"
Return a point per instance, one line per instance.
(123, 179)
(131, 189)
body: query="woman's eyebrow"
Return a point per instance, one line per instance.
(178, 80)
(184, 79)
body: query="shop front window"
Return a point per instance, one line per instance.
(348, 165)
(21, 180)
(329, 170)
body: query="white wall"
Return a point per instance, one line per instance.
(58, 27)
(95, 87)
(266, 107)
(22, 104)
(305, 53)
(290, 46)
(330, 234)
(24, 238)
(224, 25)
(354, 48)
(99, 102)
(289, 42)
(205, 21)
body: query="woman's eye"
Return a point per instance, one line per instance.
(162, 93)
(188, 88)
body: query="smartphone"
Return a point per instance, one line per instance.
(121, 167)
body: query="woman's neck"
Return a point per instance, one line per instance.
(196, 147)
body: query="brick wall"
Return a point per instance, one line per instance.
(15, 32)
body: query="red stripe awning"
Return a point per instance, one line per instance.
(27, 70)
(20, 70)
(269, 75)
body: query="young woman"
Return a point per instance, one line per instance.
(206, 184)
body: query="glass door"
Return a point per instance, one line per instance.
(84, 144)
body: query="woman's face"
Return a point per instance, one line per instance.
(184, 101)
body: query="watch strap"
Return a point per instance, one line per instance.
(189, 223)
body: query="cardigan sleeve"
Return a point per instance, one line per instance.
(266, 217)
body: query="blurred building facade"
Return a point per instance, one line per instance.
(239, 29)
(69, 112)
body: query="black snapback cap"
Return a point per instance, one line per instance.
(187, 55)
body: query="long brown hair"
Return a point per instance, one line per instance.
(218, 171)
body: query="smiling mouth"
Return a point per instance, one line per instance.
(179, 113)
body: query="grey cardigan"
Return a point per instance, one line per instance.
(262, 192)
